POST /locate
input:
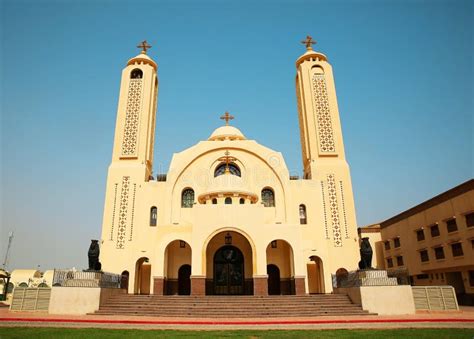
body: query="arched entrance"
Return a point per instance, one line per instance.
(177, 268)
(184, 280)
(142, 276)
(315, 275)
(229, 266)
(124, 280)
(341, 275)
(280, 257)
(229, 271)
(273, 280)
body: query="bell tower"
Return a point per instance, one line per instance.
(322, 146)
(136, 113)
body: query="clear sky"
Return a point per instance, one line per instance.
(404, 80)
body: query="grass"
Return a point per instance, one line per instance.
(89, 333)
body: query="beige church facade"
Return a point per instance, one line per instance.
(227, 218)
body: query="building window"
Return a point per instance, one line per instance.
(242, 201)
(387, 245)
(424, 256)
(470, 219)
(439, 252)
(420, 235)
(136, 74)
(399, 260)
(302, 211)
(153, 215)
(451, 225)
(214, 201)
(268, 198)
(422, 276)
(434, 231)
(457, 249)
(228, 201)
(396, 242)
(221, 169)
(471, 278)
(187, 198)
(389, 262)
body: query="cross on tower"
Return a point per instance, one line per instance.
(308, 42)
(228, 159)
(227, 117)
(144, 46)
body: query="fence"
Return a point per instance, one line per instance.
(435, 298)
(371, 278)
(30, 299)
(67, 278)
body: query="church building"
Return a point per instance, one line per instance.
(227, 218)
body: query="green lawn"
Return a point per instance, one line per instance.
(89, 333)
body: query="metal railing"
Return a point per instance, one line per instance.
(371, 278)
(70, 278)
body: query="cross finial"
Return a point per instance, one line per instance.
(144, 46)
(308, 42)
(227, 117)
(228, 159)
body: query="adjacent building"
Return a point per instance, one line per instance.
(435, 241)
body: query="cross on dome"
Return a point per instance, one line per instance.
(227, 117)
(144, 46)
(308, 42)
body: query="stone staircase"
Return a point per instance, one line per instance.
(230, 306)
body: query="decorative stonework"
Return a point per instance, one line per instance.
(132, 117)
(113, 212)
(132, 218)
(326, 231)
(344, 215)
(323, 115)
(333, 206)
(123, 213)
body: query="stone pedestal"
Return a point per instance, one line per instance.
(198, 285)
(300, 285)
(260, 285)
(158, 285)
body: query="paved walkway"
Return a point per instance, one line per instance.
(462, 319)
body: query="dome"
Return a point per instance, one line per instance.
(227, 185)
(311, 54)
(227, 133)
(142, 58)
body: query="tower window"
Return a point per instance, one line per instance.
(187, 198)
(214, 201)
(136, 74)
(242, 201)
(302, 211)
(153, 215)
(228, 201)
(221, 169)
(268, 197)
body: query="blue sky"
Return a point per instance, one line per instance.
(404, 80)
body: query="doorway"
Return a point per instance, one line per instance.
(184, 280)
(273, 280)
(228, 271)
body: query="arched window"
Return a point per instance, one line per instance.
(268, 197)
(233, 169)
(228, 201)
(153, 215)
(136, 74)
(242, 201)
(187, 198)
(23, 284)
(302, 211)
(214, 201)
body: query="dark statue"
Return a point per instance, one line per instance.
(365, 254)
(94, 251)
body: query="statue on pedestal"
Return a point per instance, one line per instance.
(365, 254)
(94, 251)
